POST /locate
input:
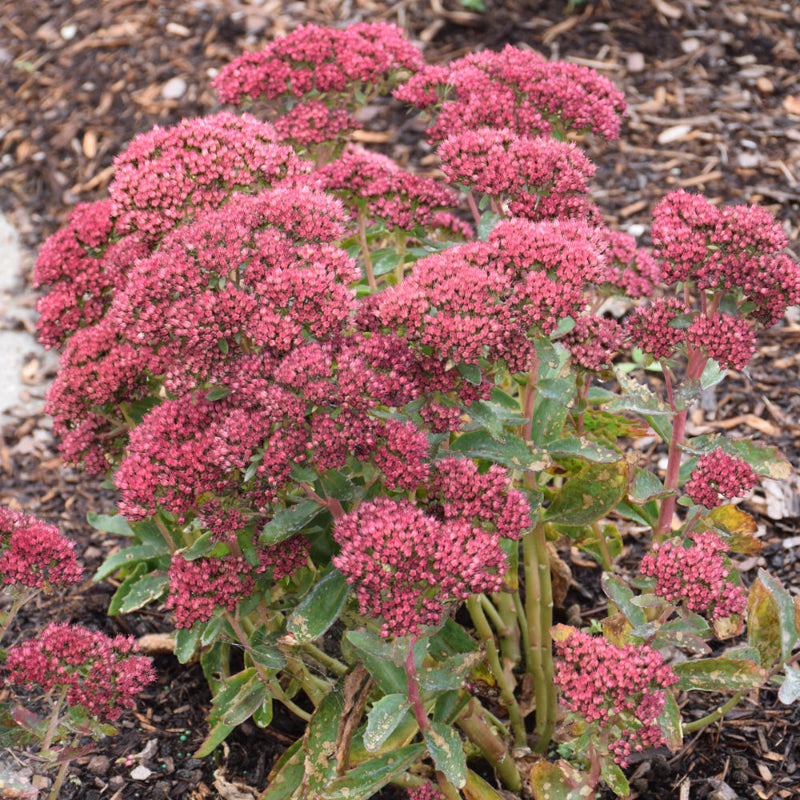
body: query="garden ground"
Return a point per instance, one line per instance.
(713, 88)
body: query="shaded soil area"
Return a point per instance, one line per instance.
(713, 88)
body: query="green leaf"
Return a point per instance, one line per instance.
(646, 486)
(217, 734)
(379, 661)
(719, 675)
(771, 624)
(487, 224)
(286, 775)
(126, 558)
(109, 523)
(384, 261)
(200, 547)
(320, 608)
(505, 400)
(637, 398)
(217, 393)
(383, 719)
(669, 720)
(263, 649)
(584, 448)
(560, 781)
(338, 486)
(262, 716)
(249, 697)
(471, 373)
(614, 777)
(447, 752)
(319, 743)
(621, 595)
(512, 453)
(222, 343)
(476, 788)
(589, 495)
(186, 643)
(448, 675)
(790, 688)
(145, 590)
(365, 780)
(288, 521)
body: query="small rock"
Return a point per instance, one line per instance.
(748, 160)
(691, 45)
(98, 765)
(635, 62)
(141, 773)
(116, 782)
(765, 85)
(68, 31)
(174, 89)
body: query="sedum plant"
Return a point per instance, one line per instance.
(85, 677)
(352, 413)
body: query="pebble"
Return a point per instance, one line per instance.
(141, 773)
(98, 765)
(174, 89)
(635, 62)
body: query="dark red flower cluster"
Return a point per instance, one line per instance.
(730, 341)
(33, 554)
(408, 566)
(427, 791)
(515, 89)
(718, 473)
(485, 499)
(649, 327)
(621, 689)
(630, 270)
(168, 175)
(735, 247)
(386, 193)
(695, 576)
(73, 263)
(481, 299)
(540, 178)
(593, 342)
(102, 674)
(324, 68)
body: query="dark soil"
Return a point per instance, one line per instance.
(713, 88)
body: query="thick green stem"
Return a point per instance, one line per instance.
(55, 789)
(510, 633)
(493, 748)
(716, 715)
(605, 555)
(539, 611)
(529, 397)
(484, 631)
(331, 663)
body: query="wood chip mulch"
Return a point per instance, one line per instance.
(713, 88)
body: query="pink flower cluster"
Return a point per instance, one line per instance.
(484, 499)
(167, 175)
(385, 192)
(480, 299)
(100, 673)
(541, 178)
(320, 60)
(649, 327)
(425, 792)
(730, 341)
(621, 689)
(515, 89)
(736, 247)
(718, 473)
(33, 554)
(72, 263)
(593, 342)
(322, 67)
(407, 566)
(630, 269)
(695, 576)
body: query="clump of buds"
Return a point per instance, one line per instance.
(719, 474)
(695, 575)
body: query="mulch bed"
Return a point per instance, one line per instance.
(713, 88)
